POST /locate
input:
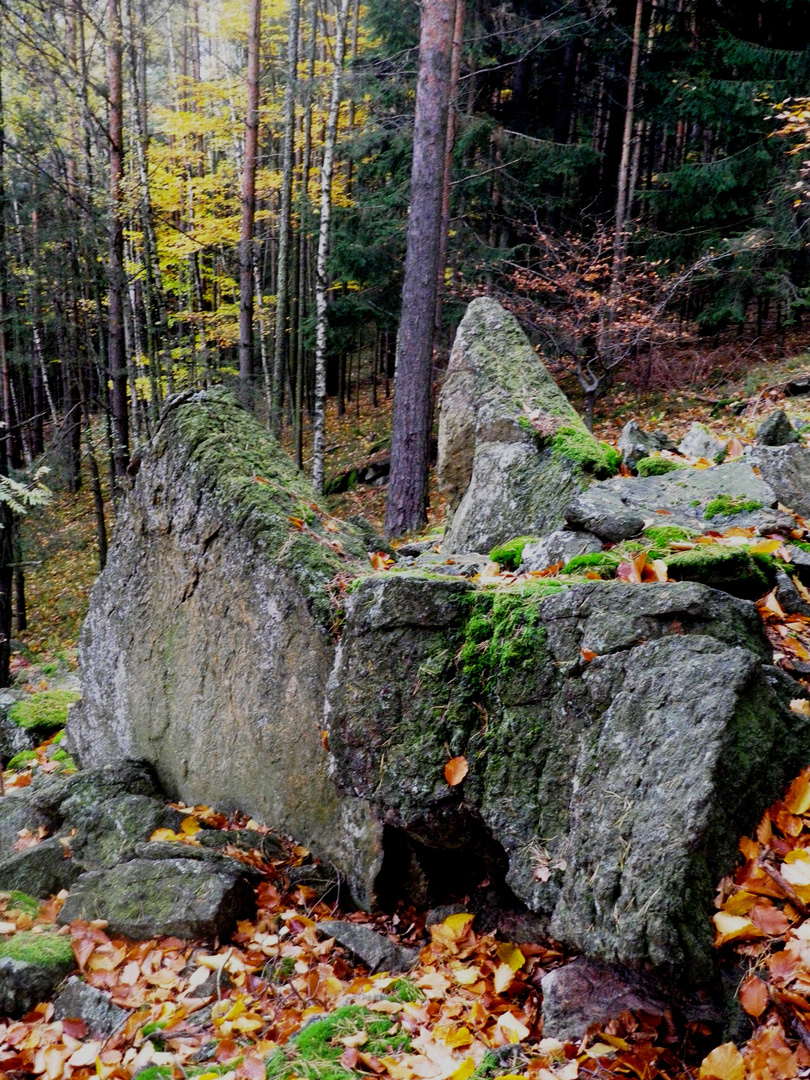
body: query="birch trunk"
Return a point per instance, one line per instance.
(249, 205)
(321, 281)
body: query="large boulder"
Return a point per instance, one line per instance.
(609, 795)
(512, 450)
(210, 632)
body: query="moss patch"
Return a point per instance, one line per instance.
(20, 901)
(44, 950)
(731, 569)
(46, 711)
(603, 563)
(503, 632)
(511, 553)
(19, 761)
(578, 445)
(314, 1054)
(271, 503)
(726, 505)
(658, 466)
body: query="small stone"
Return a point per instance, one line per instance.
(78, 1001)
(611, 522)
(700, 443)
(418, 547)
(444, 911)
(635, 444)
(789, 597)
(776, 430)
(41, 870)
(13, 739)
(560, 547)
(143, 899)
(584, 993)
(376, 951)
(31, 967)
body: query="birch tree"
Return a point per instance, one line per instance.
(321, 280)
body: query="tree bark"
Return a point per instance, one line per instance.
(321, 280)
(249, 205)
(116, 349)
(452, 113)
(406, 507)
(282, 274)
(619, 244)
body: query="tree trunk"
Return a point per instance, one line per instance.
(116, 350)
(321, 282)
(249, 206)
(455, 73)
(406, 507)
(619, 243)
(282, 274)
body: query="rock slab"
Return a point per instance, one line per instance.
(512, 450)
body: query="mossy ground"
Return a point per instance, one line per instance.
(45, 950)
(43, 712)
(578, 445)
(314, 1054)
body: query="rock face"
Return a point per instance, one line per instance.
(583, 790)
(208, 641)
(512, 450)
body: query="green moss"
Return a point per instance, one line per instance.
(46, 711)
(19, 761)
(269, 501)
(64, 759)
(404, 990)
(658, 466)
(731, 569)
(315, 1052)
(503, 632)
(726, 505)
(511, 553)
(58, 737)
(578, 445)
(603, 563)
(662, 535)
(44, 950)
(20, 901)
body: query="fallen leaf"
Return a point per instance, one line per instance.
(724, 1062)
(455, 770)
(754, 996)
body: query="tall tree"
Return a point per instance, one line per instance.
(282, 273)
(116, 342)
(249, 204)
(321, 278)
(406, 507)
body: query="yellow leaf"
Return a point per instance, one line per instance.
(189, 826)
(600, 1049)
(464, 1071)
(765, 547)
(801, 706)
(739, 903)
(732, 927)
(797, 799)
(458, 1038)
(163, 835)
(458, 924)
(724, 1062)
(660, 570)
(465, 976)
(511, 955)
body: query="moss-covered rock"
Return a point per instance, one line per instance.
(563, 700)
(509, 555)
(658, 466)
(31, 967)
(210, 633)
(45, 712)
(731, 569)
(512, 450)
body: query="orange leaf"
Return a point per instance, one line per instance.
(297, 522)
(588, 655)
(754, 996)
(380, 561)
(725, 1062)
(734, 449)
(455, 770)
